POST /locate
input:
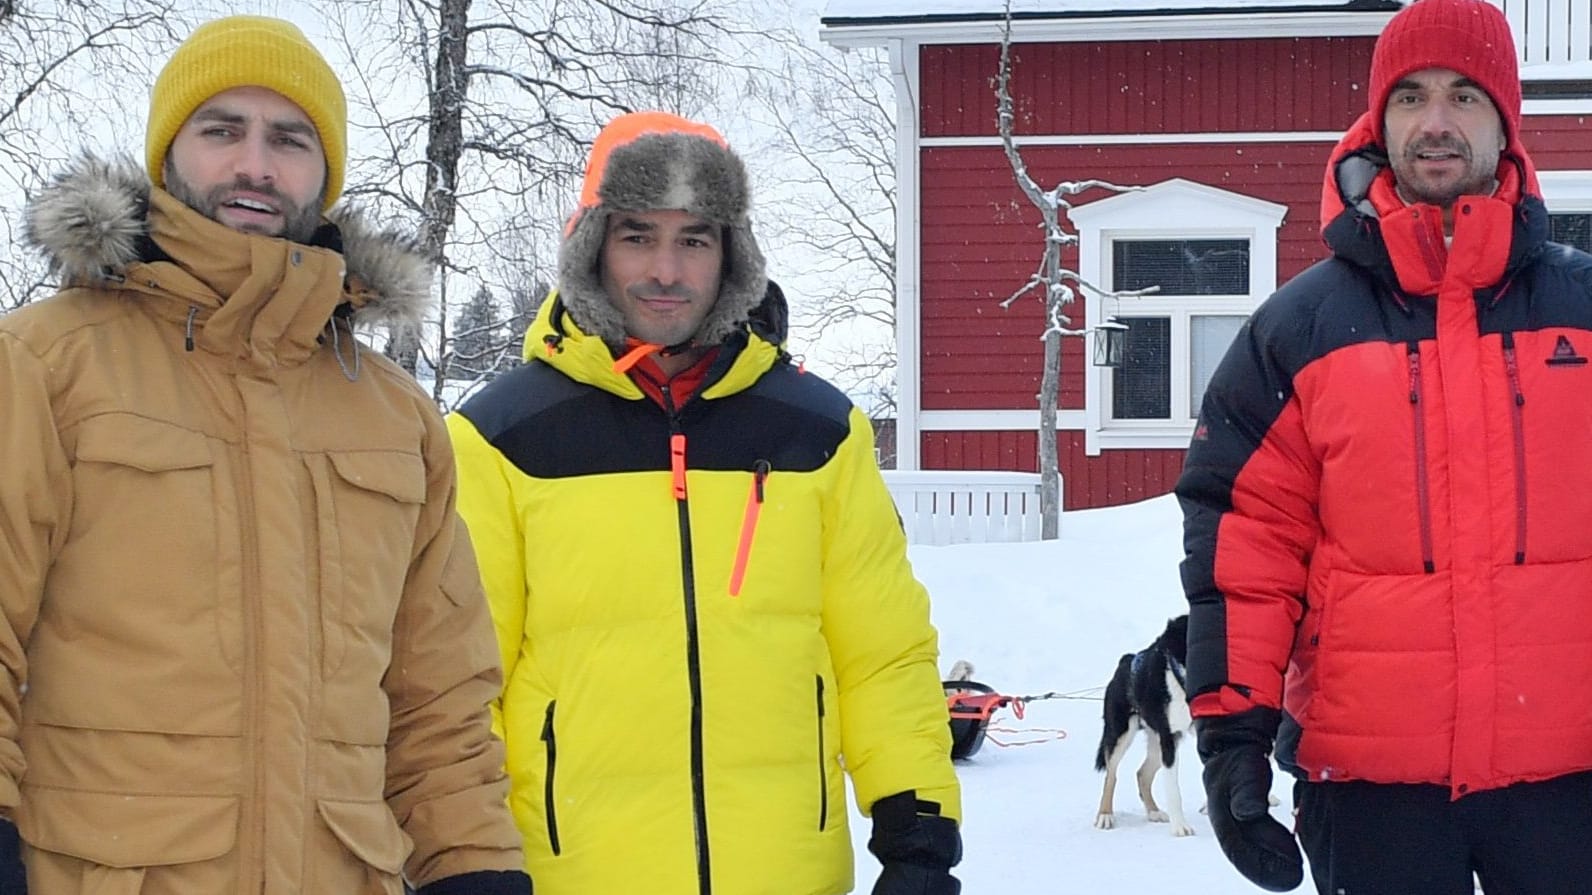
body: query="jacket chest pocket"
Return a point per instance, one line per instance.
(367, 505)
(136, 578)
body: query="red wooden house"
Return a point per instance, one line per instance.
(1224, 111)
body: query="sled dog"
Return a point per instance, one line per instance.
(1147, 693)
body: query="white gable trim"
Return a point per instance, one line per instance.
(909, 267)
(1153, 207)
(1192, 137)
(1172, 209)
(1111, 28)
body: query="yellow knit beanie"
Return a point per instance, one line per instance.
(248, 51)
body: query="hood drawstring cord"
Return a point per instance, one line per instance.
(187, 341)
(337, 350)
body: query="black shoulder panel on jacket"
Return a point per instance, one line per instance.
(550, 426)
(1553, 291)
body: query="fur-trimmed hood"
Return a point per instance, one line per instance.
(649, 161)
(92, 224)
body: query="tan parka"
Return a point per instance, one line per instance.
(243, 646)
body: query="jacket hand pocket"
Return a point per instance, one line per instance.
(368, 853)
(110, 842)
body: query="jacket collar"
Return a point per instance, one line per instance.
(554, 338)
(101, 224)
(1363, 221)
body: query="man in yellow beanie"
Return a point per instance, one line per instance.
(243, 642)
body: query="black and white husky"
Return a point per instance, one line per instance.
(1147, 692)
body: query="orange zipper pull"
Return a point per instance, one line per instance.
(677, 463)
(754, 507)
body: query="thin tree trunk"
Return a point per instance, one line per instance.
(1050, 388)
(444, 146)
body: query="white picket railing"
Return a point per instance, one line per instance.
(1552, 37)
(941, 506)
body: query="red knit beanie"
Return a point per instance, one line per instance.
(1467, 36)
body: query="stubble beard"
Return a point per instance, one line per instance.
(1474, 182)
(299, 222)
(662, 332)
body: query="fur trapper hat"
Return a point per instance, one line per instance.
(654, 161)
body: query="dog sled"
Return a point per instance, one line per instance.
(972, 705)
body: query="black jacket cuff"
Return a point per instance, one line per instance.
(481, 882)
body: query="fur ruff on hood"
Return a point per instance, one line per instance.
(91, 224)
(655, 170)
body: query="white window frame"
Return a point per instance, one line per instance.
(1210, 213)
(1566, 192)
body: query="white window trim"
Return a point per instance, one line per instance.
(1566, 192)
(1210, 213)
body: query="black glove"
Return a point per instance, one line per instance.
(480, 882)
(1236, 750)
(916, 845)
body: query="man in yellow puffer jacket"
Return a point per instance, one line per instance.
(700, 584)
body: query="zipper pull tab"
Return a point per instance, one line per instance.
(760, 472)
(677, 463)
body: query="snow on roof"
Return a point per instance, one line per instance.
(869, 11)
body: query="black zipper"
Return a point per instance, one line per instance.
(823, 780)
(547, 792)
(693, 655)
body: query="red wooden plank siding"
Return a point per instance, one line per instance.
(980, 243)
(1557, 141)
(1113, 477)
(1169, 86)
(979, 236)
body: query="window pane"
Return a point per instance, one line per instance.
(1141, 389)
(1209, 337)
(1182, 266)
(1574, 230)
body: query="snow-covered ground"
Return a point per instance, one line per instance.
(1056, 616)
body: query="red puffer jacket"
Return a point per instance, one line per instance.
(1388, 497)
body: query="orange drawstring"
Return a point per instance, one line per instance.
(637, 351)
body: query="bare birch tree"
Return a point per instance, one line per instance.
(832, 163)
(1056, 285)
(54, 54)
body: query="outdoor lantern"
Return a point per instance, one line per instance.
(1110, 342)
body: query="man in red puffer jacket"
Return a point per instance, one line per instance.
(1388, 509)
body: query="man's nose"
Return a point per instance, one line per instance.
(1436, 119)
(665, 267)
(254, 160)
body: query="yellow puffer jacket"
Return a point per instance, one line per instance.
(676, 719)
